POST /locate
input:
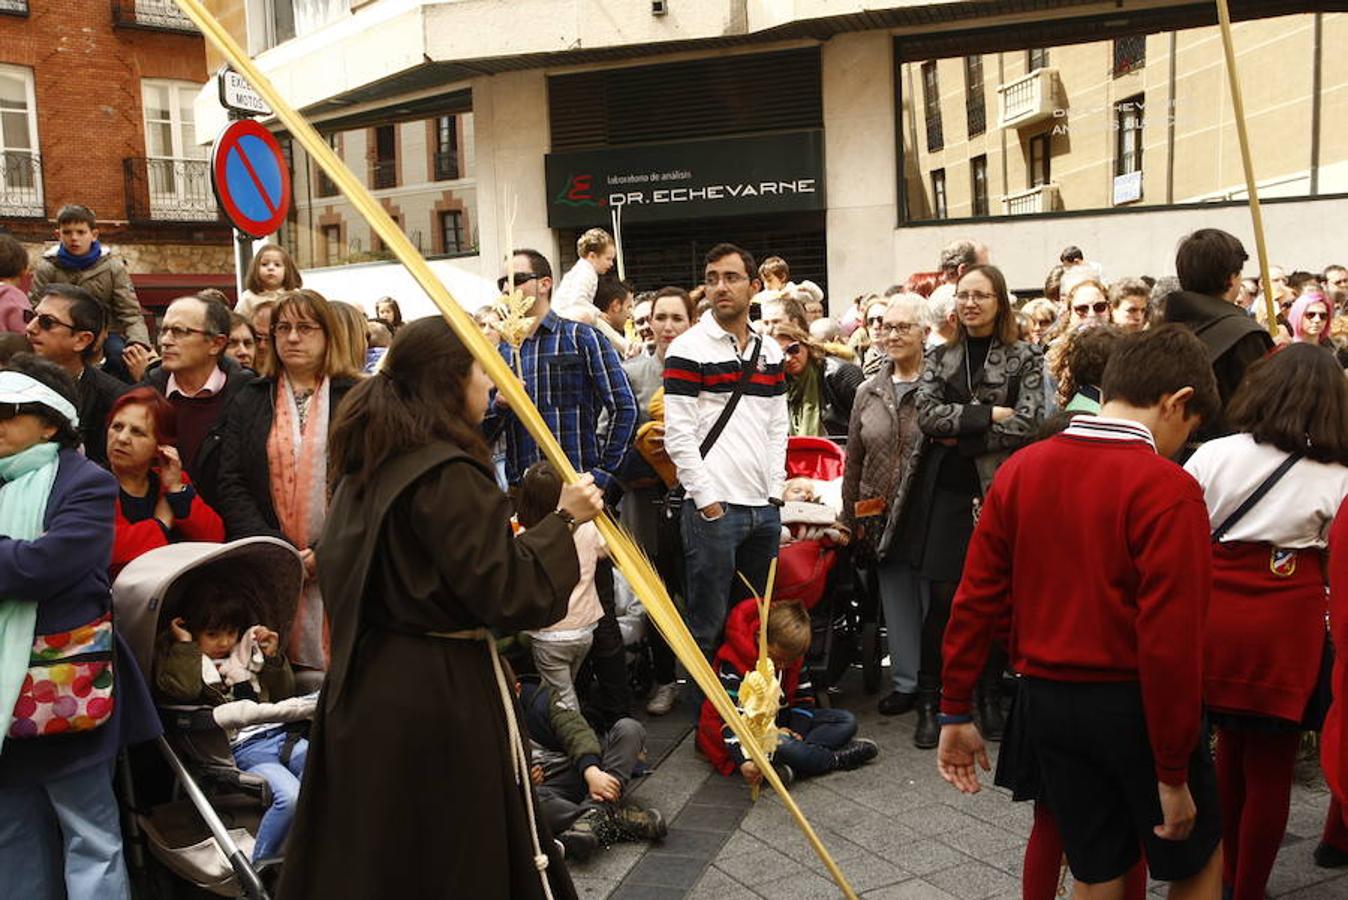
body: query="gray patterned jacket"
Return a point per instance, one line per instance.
(949, 407)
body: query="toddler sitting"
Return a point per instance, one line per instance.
(214, 654)
(806, 517)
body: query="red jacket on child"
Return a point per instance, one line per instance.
(736, 657)
(135, 538)
(1107, 581)
(1334, 736)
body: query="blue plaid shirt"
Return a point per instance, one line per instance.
(573, 374)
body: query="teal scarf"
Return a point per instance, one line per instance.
(26, 479)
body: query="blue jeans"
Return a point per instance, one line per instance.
(904, 599)
(744, 540)
(822, 731)
(262, 756)
(62, 839)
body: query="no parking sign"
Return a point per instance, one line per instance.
(251, 179)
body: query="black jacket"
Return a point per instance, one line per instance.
(840, 383)
(1234, 340)
(97, 392)
(245, 477)
(205, 469)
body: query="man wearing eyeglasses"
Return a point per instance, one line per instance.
(199, 380)
(730, 517)
(64, 328)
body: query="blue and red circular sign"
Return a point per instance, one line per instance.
(251, 179)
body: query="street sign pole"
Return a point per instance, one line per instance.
(242, 102)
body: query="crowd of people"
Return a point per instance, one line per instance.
(1096, 519)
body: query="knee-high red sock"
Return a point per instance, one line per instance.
(1269, 760)
(1336, 826)
(1135, 882)
(1231, 794)
(1043, 857)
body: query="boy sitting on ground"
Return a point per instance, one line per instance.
(214, 654)
(581, 780)
(813, 741)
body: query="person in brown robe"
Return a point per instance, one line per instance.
(409, 789)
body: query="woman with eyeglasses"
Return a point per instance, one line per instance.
(60, 731)
(1311, 318)
(1042, 315)
(156, 503)
(273, 466)
(820, 389)
(981, 397)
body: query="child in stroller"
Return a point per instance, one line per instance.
(215, 653)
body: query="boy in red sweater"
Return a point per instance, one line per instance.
(1093, 546)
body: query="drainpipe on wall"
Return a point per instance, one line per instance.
(1170, 124)
(1316, 63)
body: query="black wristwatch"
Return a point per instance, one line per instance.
(567, 519)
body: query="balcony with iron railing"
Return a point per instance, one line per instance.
(384, 174)
(14, 7)
(975, 110)
(159, 15)
(21, 185)
(446, 166)
(169, 190)
(935, 134)
(1040, 199)
(1029, 99)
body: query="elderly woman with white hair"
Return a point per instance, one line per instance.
(884, 444)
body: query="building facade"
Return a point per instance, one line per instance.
(96, 108)
(854, 139)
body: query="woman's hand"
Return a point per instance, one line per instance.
(583, 500)
(170, 469)
(137, 359)
(1002, 413)
(180, 632)
(268, 641)
(310, 562)
(163, 512)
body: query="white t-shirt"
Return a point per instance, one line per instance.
(584, 609)
(1296, 513)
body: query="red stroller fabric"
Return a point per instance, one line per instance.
(803, 566)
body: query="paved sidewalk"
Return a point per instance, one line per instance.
(897, 831)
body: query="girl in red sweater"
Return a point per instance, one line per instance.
(1333, 850)
(1272, 490)
(156, 503)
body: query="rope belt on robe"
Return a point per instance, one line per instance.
(519, 757)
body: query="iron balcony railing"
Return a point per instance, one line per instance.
(384, 174)
(21, 184)
(446, 166)
(169, 190)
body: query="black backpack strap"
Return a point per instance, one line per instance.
(746, 372)
(1255, 497)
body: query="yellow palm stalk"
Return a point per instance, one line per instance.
(761, 690)
(637, 569)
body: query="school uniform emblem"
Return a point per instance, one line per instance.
(1283, 563)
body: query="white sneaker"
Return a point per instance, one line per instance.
(662, 699)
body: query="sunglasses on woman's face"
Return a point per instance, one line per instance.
(792, 349)
(1098, 307)
(14, 410)
(1321, 315)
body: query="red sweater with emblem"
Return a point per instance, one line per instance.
(1096, 550)
(1334, 737)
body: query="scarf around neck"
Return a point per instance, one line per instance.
(26, 480)
(69, 260)
(804, 399)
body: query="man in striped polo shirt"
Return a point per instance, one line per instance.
(731, 518)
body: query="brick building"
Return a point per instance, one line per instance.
(96, 108)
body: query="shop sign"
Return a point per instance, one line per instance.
(687, 180)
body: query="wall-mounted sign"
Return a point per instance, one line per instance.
(687, 180)
(237, 94)
(1127, 188)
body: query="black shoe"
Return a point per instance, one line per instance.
(991, 719)
(928, 733)
(1327, 857)
(897, 703)
(785, 773)
(578, 844)
(855, 754)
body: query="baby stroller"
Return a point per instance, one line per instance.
(189, 804)
(809, 570)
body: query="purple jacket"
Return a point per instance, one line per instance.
(66, 571)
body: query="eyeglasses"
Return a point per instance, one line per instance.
(792, 349)
(180, 332)
(1098, 307)
(1315, 315)
(303, 329)
(875, 320)
(644, 320)
(46, 321)
(519, 278)
(976, 296)
(729, 278)
(898, 328)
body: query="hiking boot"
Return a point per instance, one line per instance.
(855, 754)
(663, 699)
(1327, 857)
(991, 719)
(896, 703)
(928, 733)
(630, 823)
(785, 774)
(578, 844)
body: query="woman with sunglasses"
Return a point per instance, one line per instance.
(981, 396)
(60, 827)
(1310, 318)
(273, 460)
(820, 389)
